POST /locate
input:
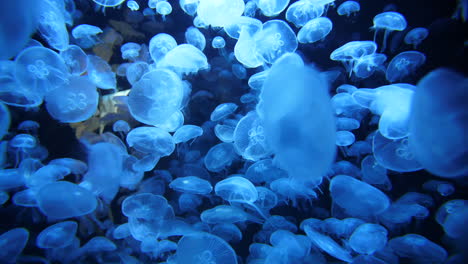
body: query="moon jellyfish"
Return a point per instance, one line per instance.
(194, 37)
(283, 111)
(73, 102)
(388, 21)
(404, 64)
(315, 30)
(156, 96)
(219, 13)
(227, 214)
(416, 36)
(130, 51)
(12, 243)
(109, 3)
(163, 8)
(417, 248)
(64, 199)
(344, 138)
(133, 5)
(327, 244)
(58, 235)
(100, 73)
(219, 156)
(368, 238)
(86, 35)
(246, 50)
(186, 133)
(52, 24)
(201, 248)
(300, 12)
(366, 65)
(75, 58)
(136, 70)
(222, 111)
(274, 40)
(350, 52)
(394, 154)
(189, 6)
(271, 8)
(160, 45)
(249, 138)
(144, 205)
(347, 8)
(40, 69)
(438, 123)
(151, 140)
(357, 198)
(192, 185)
(184, 59)
(218, 42)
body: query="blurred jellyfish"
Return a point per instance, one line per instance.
(184, 59)
(416, 36)
(86, 35)
(271, 8)
(219, 13)
(4, 120)
(275, 39)
(388, 21)
(218, 42)
(194, 37)
(219, 156)
(189, 6)
(52, 25)
(350, 52)
(300, 12)
(109, 3)
(160, 45)
(133, 5)
(347, 8)
(315, 30)
(204, 248)
(404, 64)
(75, 58)
(100, 73)
(163, 8)
(130, 51)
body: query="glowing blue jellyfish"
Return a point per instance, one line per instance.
(52, 25)
(73, 102)
(219, 13)
(394, 154)
(130, 51)
(300, 12)
(327, 244)
(438, 122)
(344, 138)
(250, 8)
(388, 21)
(58, 235)
(189, 6)
(249, 138)
(194, 37)
(404, 64)
(41, 70)
(368, 238)
(160, 45)
(315, 30)
(136, 70)
(12, 92)
(192, 185)
(62, 199)
(218, 42)
(133, 5)
(246, 51)
(347, 8)
(13, 243)
(4, 120)
(350, 52)
(100, 73)
(203, 248)
(275, 40)
(366, 65)
(151, 140)
(418, 249)
(163, 8)
(86, 35)
(283, 112)
(75, 58)
(234, 29)
(144, 205)
(184, 59)
(219, 157)
(416, 36)
(271, 8)
(186, 133)
(222, 111)
(156, 97)
(109, 3)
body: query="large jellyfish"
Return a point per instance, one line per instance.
(219, 13)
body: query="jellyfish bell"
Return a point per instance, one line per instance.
(388, 21)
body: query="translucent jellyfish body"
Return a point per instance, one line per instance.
(194, 37)
(133, 5)
(86, 35)
(75, 58)
(218, 42)
(52, 25)
(73, 102)
(151, 140)
(109, 3)
(275, 39)
(192, 185)
(58, 235)
(64, 199)
(204, 248)
(252, 25)
(144, 205)
(160, 45)
(404, 64)
(271, 8)
(357, 198)
(184, 59)
(394, 154)
(219, 157)
(186, 133)
(417, 248)
(189, 6)
(41, 70)
(130, 51)
(416, 36)
(438, 122)
(283, 113)
(156, 96)
(347, 8)
(219, 13)
(327, 244)
(13, 243)
(388, 21)
(136, 70)
(350, 52)
(300, 12)
(366, 65)
(249, 138)
(368, 238)
(100, 73)
(315, 30)
(163, 8)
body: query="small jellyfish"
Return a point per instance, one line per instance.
(344, 138)
(404, 64)
(163, 8)
(219, 156)
(252, 25)
(130, 51)
(73, 102)
(151, 140)
(186, 133)
(388, 21)
(145, 206)
(136, 70)
(195, 37)
(222, 111)
(86, 35)
(191, 185)
(204, 248)
(184, 59)
(219, 13)
(58, 235)
(394, 154)
(100, 73)
(189, 6)
(76, 59)
(416, 36)
(300, 12)
(347, 8)
(249, 138)
(350, 52)
(218, 42)
(133, 5)
(160, 45)
(368, 238)
(418, 249)
(327, 244)
(315, 30)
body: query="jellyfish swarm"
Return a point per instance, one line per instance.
(439, 119)
(388, 21)
(298, 122)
